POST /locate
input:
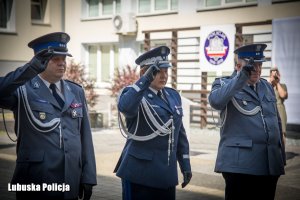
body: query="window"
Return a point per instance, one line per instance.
(157, 6)
(7, 16)
(102, 62)
(100, 8)
(38, 9)
(93, 8)
(225, 3)
(92, 62)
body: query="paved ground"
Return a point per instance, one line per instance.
(205, 184)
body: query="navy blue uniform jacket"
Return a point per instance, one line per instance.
(249, 144)
(146, 162)
(45, 157)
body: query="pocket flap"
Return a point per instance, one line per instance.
(30, 156)
(270, 98)
(243, 97)
(140, 153)
(42, 107)
(239, 143)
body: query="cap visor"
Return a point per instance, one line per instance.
(261, 60)
(164, 65)
(62, 53)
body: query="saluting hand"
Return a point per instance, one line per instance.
(151, 72)
(40, 61)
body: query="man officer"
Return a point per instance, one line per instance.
(156, 138)
(54, 144)
(250, 154)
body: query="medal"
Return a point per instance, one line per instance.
(74, 113)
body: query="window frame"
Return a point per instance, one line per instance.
(113, 50)
(11, 20)
(85, 10)
(44, 6)
(202, 5)
(156, 12)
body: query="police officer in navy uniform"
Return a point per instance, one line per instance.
(54, 144)
(156, 138)
(250, 156)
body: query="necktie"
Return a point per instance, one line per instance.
(253, 88)
(56, 96)
(160, 95)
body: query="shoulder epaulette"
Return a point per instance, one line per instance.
(171, 89)
(263, 79)
(73, 83)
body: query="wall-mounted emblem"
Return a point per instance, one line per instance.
(216, 47)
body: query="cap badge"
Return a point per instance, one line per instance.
(64, 38)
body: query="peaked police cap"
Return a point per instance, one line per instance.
(55, 42)
(255, 51)
(157, 55)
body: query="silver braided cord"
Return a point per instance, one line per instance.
(243, 111)
(156, 124)
(49, 126)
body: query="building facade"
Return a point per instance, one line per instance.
(109, 34)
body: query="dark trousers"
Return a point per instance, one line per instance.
(245, 186)
(132, 191)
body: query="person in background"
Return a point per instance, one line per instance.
(281, 95)
(250, 155)
(156, 138)
(54, 140)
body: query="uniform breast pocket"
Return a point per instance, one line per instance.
(159, 111)
(76, 115)
(42, 111)
(270, 100)
(246, 102)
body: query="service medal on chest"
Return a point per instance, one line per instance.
(74, 113)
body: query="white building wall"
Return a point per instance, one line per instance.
(14, 47)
